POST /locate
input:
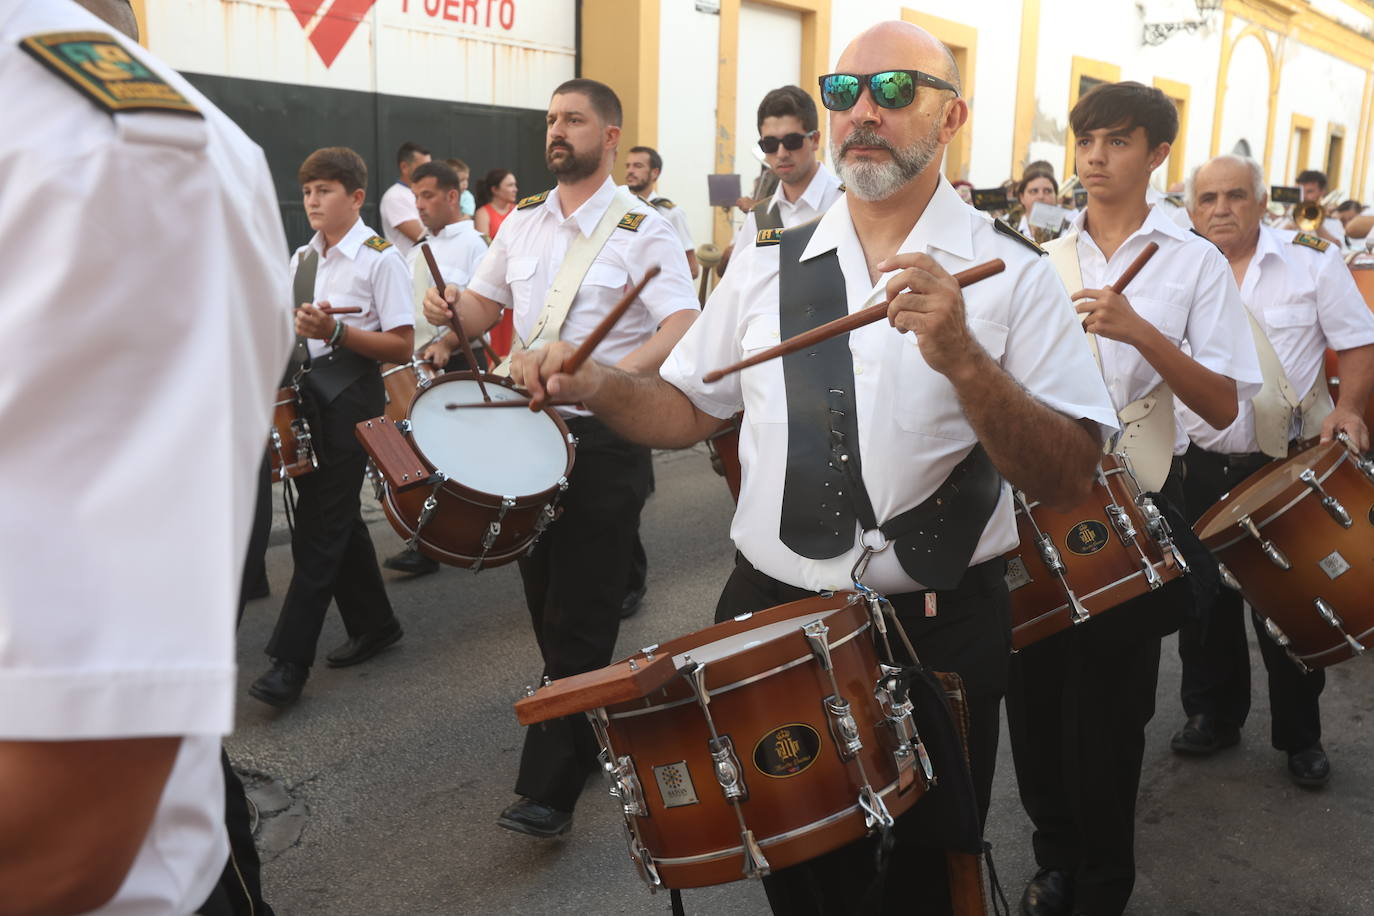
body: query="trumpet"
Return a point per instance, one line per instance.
(1310, 214)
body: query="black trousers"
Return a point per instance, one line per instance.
(1214, 650)
(574, 587)
(333, 553)
(970, 634)
(1077, 706)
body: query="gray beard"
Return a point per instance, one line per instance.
(880, 180)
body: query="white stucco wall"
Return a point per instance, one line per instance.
(688, 47)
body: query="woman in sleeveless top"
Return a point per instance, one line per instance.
(500, 190)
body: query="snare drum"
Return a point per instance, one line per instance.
(402, 382)
(1071, 566)
(1297, 539)
(472, 487)
(289, 445)
(762, 758)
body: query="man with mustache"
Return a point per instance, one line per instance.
(991, 380)
(1303, 298)
(575, 579)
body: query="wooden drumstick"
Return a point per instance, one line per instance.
(455, 323)
(847, 323)
(1141, 260)
(510, 403)
(342, 310)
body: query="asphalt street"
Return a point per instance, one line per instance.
(379, 790)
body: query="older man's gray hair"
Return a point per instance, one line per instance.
(1256, 177)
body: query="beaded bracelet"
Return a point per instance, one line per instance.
(337, 337)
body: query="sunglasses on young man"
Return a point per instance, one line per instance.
(791, 142)
(890, 88)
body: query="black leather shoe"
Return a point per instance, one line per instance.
(529, 817)
(1310, 768)
(282, 685)
(413, 562)
(1202, 735)
(1049, 893)
(633, 598)
(360, 648)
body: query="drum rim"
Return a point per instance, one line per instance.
(1284, 497)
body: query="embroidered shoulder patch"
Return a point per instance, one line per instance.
(768, 237)
(1311, 241)
(1013, 234)
(842, 188)
(100, 68)
(663, 203)
(533, 200)
(377, 243)
(630, 221)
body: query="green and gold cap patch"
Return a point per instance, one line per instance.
(768, 237)
(104, 72)
(1311, 241)
(631, 221)
(532, 200)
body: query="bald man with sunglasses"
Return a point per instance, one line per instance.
(992, 387)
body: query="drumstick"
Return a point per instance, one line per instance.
(1141, 260)
(511, 403)
(847, 323)
(342, 310)
(455, 322)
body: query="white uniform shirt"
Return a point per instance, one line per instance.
(674, 215)
(458, 249)
(126, 522)
(911, 430)
(1170, 207)
(1186, 291)
(398, 206)
(822, 191)
(355, 274)
(1305, 301)
(525, 256)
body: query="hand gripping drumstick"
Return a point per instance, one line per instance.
(581, 354)
(455, 322)
(847, 323)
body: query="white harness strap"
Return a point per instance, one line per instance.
(1277, 401)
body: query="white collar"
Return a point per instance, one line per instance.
(1155, 221)
(453, 230)
(348, 245)
(947, 224)
(587, 215)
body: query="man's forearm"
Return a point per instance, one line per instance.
(1356, 367)
(478, 314)
(1037, 449)
(655, 350)
(645, 409)
(1209, 394)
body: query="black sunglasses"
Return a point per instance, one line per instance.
(790, 141)
(890, 88)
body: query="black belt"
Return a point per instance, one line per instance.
(980, 577)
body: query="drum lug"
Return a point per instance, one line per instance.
(1329, 503)
(755, 865)
(1278, 636)
(1328, 613)
(644, 863)
(1228, 579)
(1049, 554)
(898, 731)
(625, 786)
(843, 729)
(493, 531)
(403, 427)
(1121, 521)
(1157, 526)
(1275, 555)
(729, 773)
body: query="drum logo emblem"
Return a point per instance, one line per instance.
(675, 784)
(1087, 537)
(787, 750)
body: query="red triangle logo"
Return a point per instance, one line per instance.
(335, 27)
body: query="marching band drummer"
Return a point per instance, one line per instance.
(1079, 700)
(595, 240)
(1304, 299)
(344, 265)
(1000, 365)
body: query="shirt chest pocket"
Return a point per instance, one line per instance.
(1170, 318)
(606, 277)
(1294, 313)
(764, 386)
(520, 278)
(926, 402)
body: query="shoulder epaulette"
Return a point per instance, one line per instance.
(768, 237)
(630, 221)
(533, 200)
(1311, 241)
(663, 203)
(1172, 201)
(377, 243)
(1204, 238)
(842, 188)
(100, 69)
(1013, 234)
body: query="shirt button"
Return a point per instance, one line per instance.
(858, 370)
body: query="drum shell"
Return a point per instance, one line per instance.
(668, 727)
(402, 383)
(1295, 522)
(285, 415)
(1107, 577)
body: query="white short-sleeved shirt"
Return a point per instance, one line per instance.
(911, 430)
(458, 249)
(398, 206)
(177, 330)
(356, 273)
(822, 191)
(1170, 207)
(1187, 291)
(525, 256)
(1305, 301)
(674, 215)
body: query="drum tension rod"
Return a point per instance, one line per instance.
(1328, 613)
(1329, 503)
(1285, 643)
(1275, 555)
(1363, 463)
(1054, 562)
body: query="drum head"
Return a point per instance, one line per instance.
(1269, 483)
(740, 642)
(502, 451)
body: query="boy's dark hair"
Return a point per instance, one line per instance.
(1126, 105)
(604, 101)
(445, 178)
(334, 163)
(789, 102)
(1311, 176)
(409, 151)
(655, 160)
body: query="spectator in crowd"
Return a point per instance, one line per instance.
(400, 220)
(466, 203)
(1035, 187)
(499, 192)
(1312, 183)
